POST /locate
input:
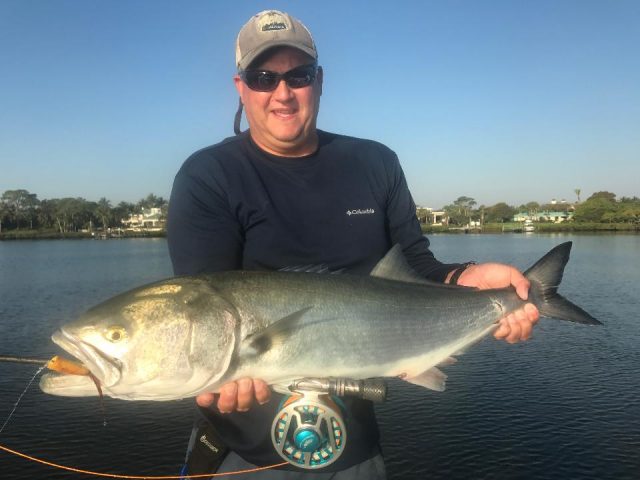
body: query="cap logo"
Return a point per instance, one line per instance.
(274, 26)
(270, 21)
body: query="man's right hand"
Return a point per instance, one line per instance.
(238, 395)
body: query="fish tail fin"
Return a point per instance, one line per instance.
(545, 277)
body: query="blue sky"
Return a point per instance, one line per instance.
(497, 100)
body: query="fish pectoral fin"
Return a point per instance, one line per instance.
(274, 335)
(432, 379)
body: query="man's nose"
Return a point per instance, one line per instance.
(282, 92)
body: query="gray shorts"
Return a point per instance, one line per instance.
(372, 469)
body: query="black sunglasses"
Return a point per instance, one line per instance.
(266, 81)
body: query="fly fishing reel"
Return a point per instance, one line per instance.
(309, 430)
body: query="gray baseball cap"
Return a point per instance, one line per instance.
(268, 29)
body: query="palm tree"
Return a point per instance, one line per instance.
(577, 192)
(103, 210)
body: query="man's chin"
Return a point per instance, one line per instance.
(295, 143)
(288, 134)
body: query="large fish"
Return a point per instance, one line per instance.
(186, 335)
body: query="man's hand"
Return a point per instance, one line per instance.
(517, 325)
(238, 395)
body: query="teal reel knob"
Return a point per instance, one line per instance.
(307, 439)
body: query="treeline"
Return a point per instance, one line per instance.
(20, 209)
(601, 207)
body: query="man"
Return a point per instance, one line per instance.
(284, 194)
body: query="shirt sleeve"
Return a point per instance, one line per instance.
(202, 233)
(404, 228)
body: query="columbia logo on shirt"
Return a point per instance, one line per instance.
(358, 211)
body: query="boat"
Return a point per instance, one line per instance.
(528, 226)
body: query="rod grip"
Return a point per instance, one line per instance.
(374, 389)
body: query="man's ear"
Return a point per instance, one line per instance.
(239, 84)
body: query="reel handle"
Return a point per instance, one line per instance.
(374, 389)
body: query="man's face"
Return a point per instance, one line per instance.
(283, 121)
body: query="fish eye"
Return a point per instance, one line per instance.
(115, 333)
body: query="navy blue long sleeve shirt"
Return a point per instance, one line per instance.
(234, 206)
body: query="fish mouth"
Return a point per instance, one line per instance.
(106, 369)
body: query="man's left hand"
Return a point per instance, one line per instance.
(517, 325)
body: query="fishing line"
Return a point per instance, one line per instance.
(46, 363)
(15, 405)
(135, 477)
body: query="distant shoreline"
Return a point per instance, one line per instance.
(540, 227)
(493, 228)
(52, 235)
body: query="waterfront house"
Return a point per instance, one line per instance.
(150, 219)
(427, 215)
(558, 216)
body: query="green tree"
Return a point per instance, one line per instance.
(151, 201)
(103, 212)
(532, 208)
(500, 212)
(72, 214)
(629, 210)
(123, 211)
(4, 216)
(47, 213)
(460, 211)
(600, 208)
(19, 206)
(604, 195)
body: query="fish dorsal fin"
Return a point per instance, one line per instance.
(394, 266)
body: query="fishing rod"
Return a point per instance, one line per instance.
(55, 363)
(39, 361)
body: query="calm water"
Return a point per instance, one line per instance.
(565, 405)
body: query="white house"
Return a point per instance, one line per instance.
(151, 219)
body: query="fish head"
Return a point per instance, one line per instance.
(149, 343)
